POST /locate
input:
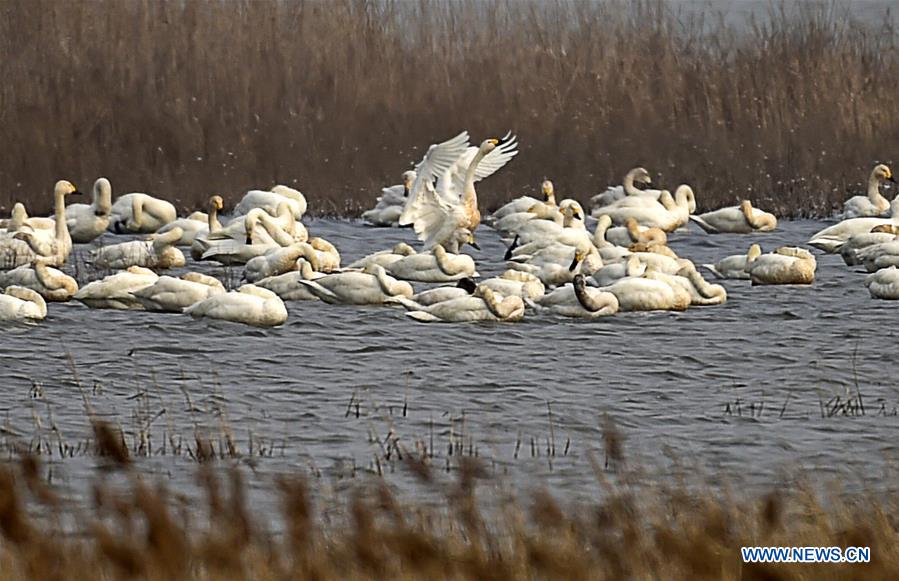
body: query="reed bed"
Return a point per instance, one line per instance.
(185, 99)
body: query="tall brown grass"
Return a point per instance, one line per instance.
(187, 98)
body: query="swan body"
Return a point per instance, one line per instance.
(390, 203)
(609, 251)
(19, 304)
(369, 287)
(279, 260)
(159, 253)
(832, 238)
(734, 266)
(858, 243)
(884, 284)
(538, 215)
(701, 292)
(786, 265)
(638, 175)
(231, 252)
(645, 293)
(524, 203)
(26, 244)
(173, 295)
(250, 305)
(87, 222)
(579, 300)
(667, 213)
(289, 286)
(611, 273)
(52, 284)
(141, 214)
(742, 219)
(872, 204)
(270, 200)
(384, 257)
(116, 290)
(632, 233)
(482, 305)
(880, 256)
(15, 222)
(197, 224)
(558, 264)
(435, 266)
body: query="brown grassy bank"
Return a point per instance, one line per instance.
(183, 99)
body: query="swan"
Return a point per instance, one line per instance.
(632, 233)
(608, 274)
(524, 203)
(880, 256)
(270, 200)
(516, 283)
(666, 213)
(289, 286)
(742, 219)
(609, 251)
(253, 235)
(279, 260)
(390, 203)
(873, 204)
(140, 213)
(541, 233)
(371, 286)
(384, 257)
(249, 304)
(701, 292)
(646, 293)
(173, 295)
(198, 223)
(646, 247)
(513, 223)
(24, 246)
(435, 266)
(50, 283)
(884, 284)
(558, 264)
(878, 235)
(482, 305)
(15, 222)
(638, 175)
(20, 303)
(579, 300)
(438, 213)
(832, 238)
(159, 253)
(432, 296)
(786, 265)
(115, 291)
(734, 266)
(231, 252)
(87, 222)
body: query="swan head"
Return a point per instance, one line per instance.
(19, 214)
(746, 206)
(580, 282)
(754, 252)
(579, 255)
(883, 173)
(886, 229)
(408, 180)
(465, 236)
(684, 196)
(604, 221)
(639, 175)
(288, 192)
(403, 249)
(548, 190)
(65, 188)
(216, 202)
(467, 284)
(488, 145)
(572, 209)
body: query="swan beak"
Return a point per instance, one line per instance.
(249, 240)
(405, 191)
(474, 245)
(574, 263)
(77, 193)
(891, 179)
(577, 216)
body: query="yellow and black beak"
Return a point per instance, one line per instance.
(574, 263)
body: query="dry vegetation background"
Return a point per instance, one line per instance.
(186, 98)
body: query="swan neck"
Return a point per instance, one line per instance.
(585, 299)
(874, 188)
(628, 183)
(62, 228)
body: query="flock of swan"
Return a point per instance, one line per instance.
(555, 263)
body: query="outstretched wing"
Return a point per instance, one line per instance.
(452, 183)
(437, 161)
(436, 220)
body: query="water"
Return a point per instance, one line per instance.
(737, 391)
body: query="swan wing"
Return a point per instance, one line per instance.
(451, 185)
(436, 219)
(437, 161)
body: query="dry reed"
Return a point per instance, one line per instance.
(184, 99)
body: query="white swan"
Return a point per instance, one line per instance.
(50, 283)
(435, 266)
(384, 257)
(700, 290)
(250, 305)
(638, 175)
(15, 222)
(667, 213)
(270, 200)
(734, 266)
(857, 243)
(538, 234)
(89, 221)
(645, 293)
(159, 253)
(516, 283)
(432, 296)
(482, 305)
(558, 264)
(173, 295)
(524, 203)
(610, 273)
(289, 286)
(279, 260)
(632, 232)
(609, 251)
(141, 214)
(884, 284)
(115, 291)
(873, 204)
(390, 203)
(438, 214)
(512, 224)
(742, 219)
(786, 265)
(198, 223)
(19, 303)
(371, 286)
(56, 245)
(832, 238)
(880, 256)
(579, 300)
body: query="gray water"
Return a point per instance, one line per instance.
(736, 391)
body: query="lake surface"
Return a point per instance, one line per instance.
(744, 391)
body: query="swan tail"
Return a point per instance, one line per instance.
(711, 268)
(703, 224)
(827, 244)
(423, 317)
(404, 301)
(320, 291)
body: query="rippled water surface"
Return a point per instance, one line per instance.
(742, 390)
